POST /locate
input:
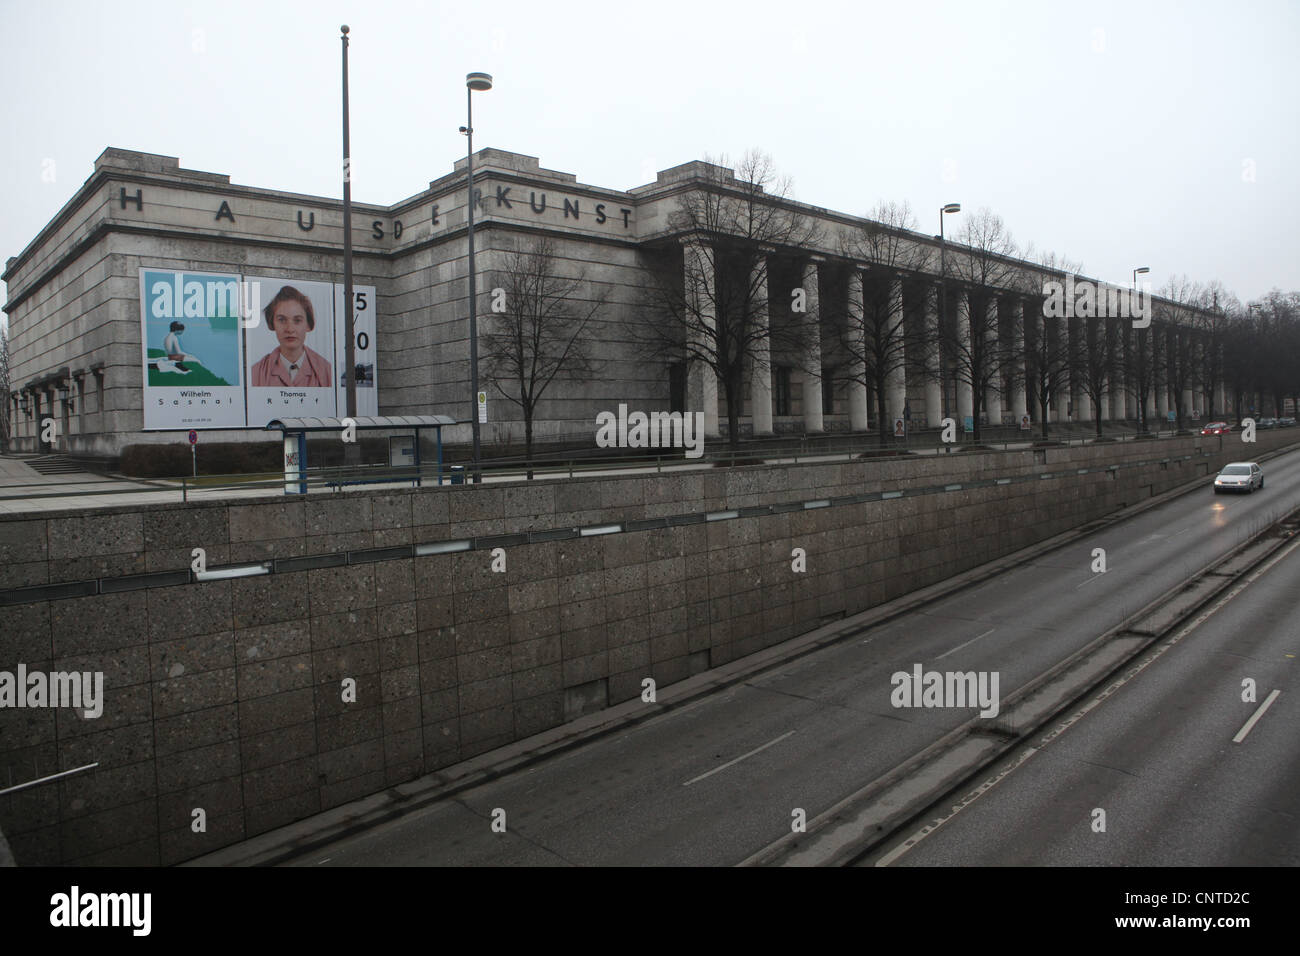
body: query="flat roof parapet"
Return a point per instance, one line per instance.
(696, 169)
(113, 158)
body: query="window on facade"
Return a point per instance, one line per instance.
(828, 392)
(781, 390)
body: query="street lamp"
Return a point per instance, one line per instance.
(1142, 356)
(945, 209)
(480, 82)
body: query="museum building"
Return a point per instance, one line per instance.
(129, 313)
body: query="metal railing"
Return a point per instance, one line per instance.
(774, 451)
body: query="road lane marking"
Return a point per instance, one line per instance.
(1268, 702)
(1177, 533)
(738, 759)
(1152, 656)
(1090, 580)
(960, 646)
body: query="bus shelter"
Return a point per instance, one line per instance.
(296, 430)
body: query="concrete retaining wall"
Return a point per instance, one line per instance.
(227, 695)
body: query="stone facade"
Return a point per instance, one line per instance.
(74, 306)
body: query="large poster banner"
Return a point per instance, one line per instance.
(192, 350)
(289, 350)
(363, 319)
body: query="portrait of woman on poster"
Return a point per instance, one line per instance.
(291, 364)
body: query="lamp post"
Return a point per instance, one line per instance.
(1142, 358)
(945, 209)
(473, 81)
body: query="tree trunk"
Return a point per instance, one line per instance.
(733, 414)
(885, 425)
(528, 441)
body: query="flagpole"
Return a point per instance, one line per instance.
(350, 336)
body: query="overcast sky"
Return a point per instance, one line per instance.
(1117, 134)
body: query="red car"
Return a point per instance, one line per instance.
(1217, 428)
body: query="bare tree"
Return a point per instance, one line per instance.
(1213, 327)
(709, 309)
(537, 335)
(1277, 347)
(983, 262)
(1092, 360)
(874, 340)
(1139, 371)
(1184, 301)
(1047, 339)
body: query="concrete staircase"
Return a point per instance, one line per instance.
(55, 465)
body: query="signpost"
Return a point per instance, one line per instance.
(194, 456)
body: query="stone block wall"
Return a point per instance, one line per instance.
(229, 695)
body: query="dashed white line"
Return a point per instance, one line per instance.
(911, 842)
(730, 763)
(1090, 580)
(1245, 729)
(967, 644)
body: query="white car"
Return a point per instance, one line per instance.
(1239, 476)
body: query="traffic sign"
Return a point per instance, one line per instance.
(482, 408)
(194, 437)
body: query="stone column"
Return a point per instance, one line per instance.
(1019, 396)
(1083, 407)
(992, 394)
(933, 380)
(812, 380)
(859, 420)
(760, 374)
(965, 394)
(1058, 331)
(896, 380)
(701, 382)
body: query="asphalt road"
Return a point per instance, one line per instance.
(716, 781)
(1186, 771)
